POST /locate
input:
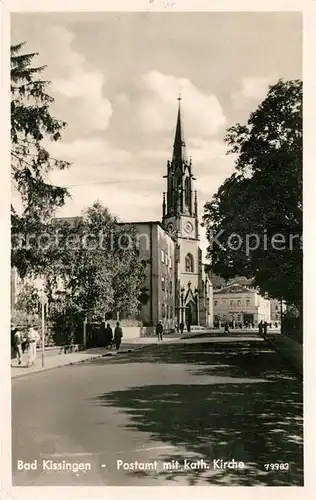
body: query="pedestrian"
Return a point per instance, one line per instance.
(188, 326)
(265, 328)
(226, 328)
(260, 327)
(118, 335)
(24, 342)
(32, 339)
(102, 335)
(17, 344)
(108, 336)
(159, 331)
(181, 327)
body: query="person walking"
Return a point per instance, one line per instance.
(265, 328)
(226, 328)
(188, 326)
(108, 336)
(102, 335)
(118, 335)
(181, 327)
(159, 331)
(32, 339)
(24, 342)
(17, 344)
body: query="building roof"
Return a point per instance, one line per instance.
(234, 288)
(219, 282)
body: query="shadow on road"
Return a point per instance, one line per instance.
(234, 358)
(254, 416)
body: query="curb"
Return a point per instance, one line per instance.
(71, 363)
(296, 366)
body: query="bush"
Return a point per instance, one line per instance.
(22, 319)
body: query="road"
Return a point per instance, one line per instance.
(134, 420)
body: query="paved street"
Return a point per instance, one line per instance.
(202, 398)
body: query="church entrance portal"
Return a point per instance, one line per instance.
(191, 313)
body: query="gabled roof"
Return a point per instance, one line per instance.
(234, 288)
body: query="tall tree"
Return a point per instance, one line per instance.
(31, 123)
(96, 267)
(254, 221)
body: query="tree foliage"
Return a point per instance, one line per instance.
(93, 267)
(31, 163)
(263, 198)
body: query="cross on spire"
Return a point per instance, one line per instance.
(179, 144)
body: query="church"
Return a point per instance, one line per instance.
(180, 290)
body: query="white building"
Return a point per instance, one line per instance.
(276, 311)
(240, 305)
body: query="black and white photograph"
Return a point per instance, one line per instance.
(156, 248)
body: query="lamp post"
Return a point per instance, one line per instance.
(181, 305)
(43, 302)
(196, 293)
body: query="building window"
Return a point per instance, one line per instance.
(276, 307)
(163, 283)
(247, 302)
(189, 263)
(163, 310)
(171, 314)
(170, 287)
(239, 317)
(224, 302)
(238, 302)
(231, 302)
(170, 263)
(162, 256)
(215, 302)
(166, 259)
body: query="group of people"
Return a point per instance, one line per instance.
(24, 343)
(108, 338)
(262, 326)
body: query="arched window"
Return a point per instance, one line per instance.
(187, 192)
(189, 263)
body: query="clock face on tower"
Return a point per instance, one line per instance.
(188, 227)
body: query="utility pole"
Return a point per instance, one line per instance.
(85, 333)
(43, 302)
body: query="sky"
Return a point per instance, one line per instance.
(116, 77)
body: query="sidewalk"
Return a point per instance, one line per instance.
(287, 348)
(59, 360)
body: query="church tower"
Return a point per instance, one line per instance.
(180, 219)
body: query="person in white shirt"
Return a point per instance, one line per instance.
(32, 338)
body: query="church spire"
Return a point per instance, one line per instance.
(179, 147)
(179, 177)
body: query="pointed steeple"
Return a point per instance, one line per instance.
(179, 147)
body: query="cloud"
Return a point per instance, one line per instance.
(252, 89)
(202, 113)
(86, 108)
(161, 154)
(127, 204)
(88, 151)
